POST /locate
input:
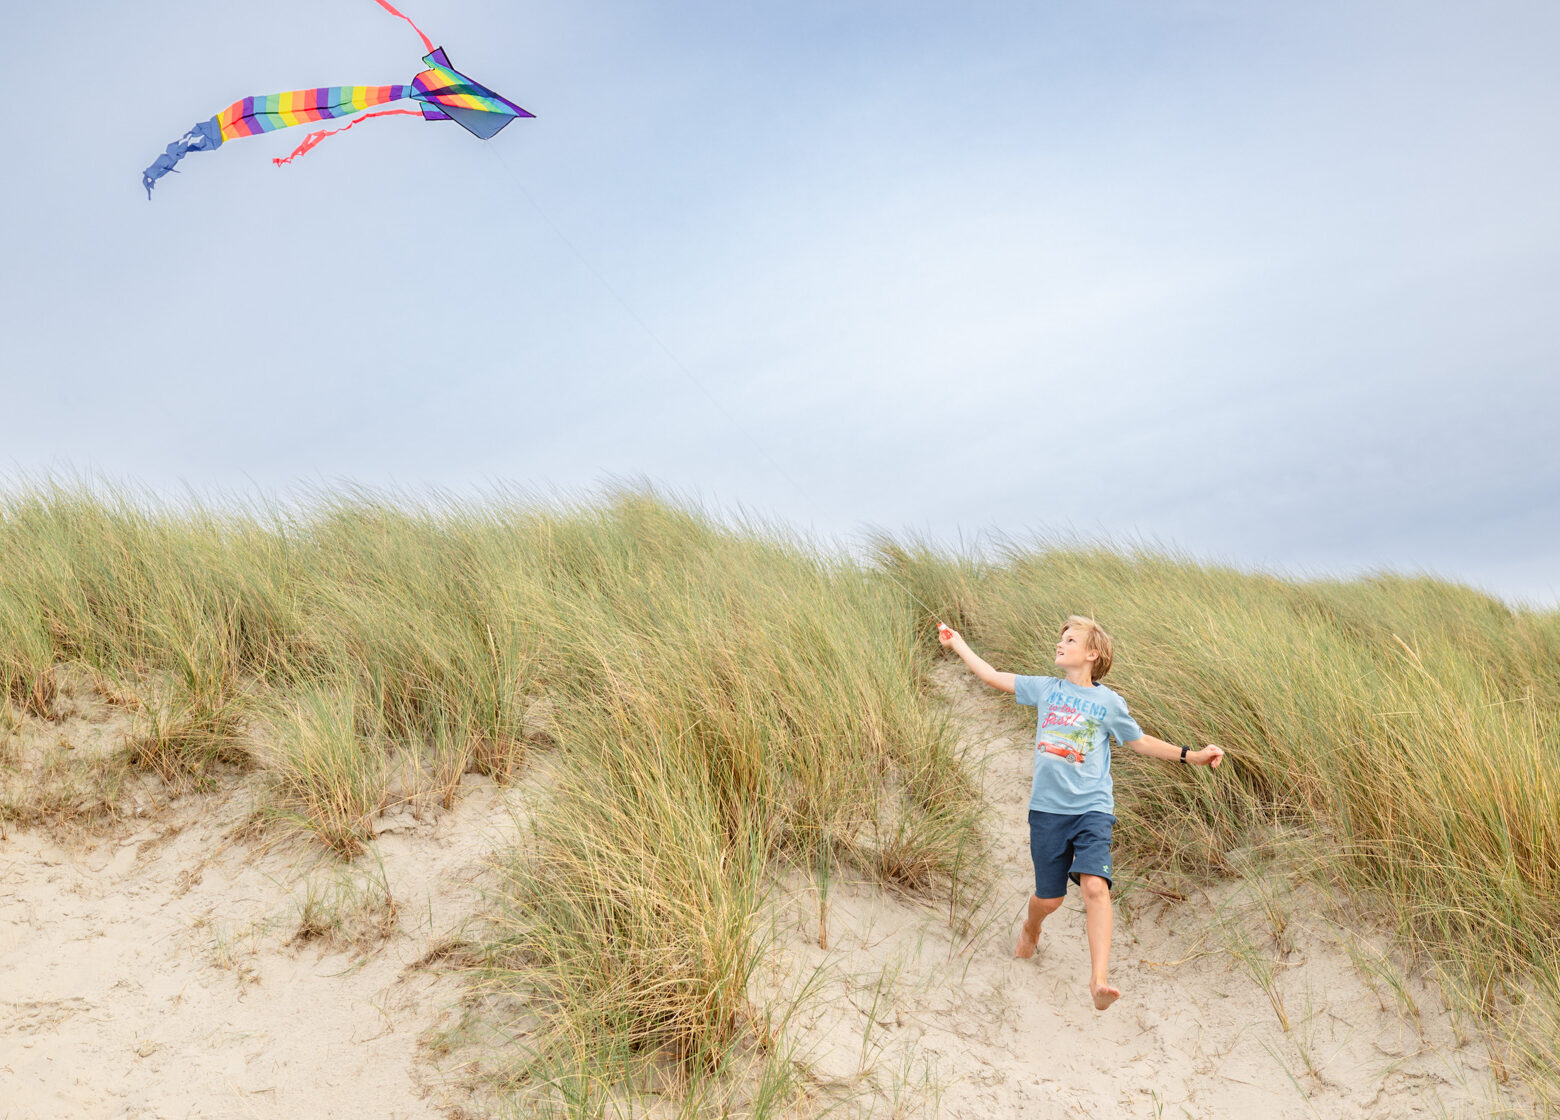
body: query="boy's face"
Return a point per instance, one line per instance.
(1072, 650)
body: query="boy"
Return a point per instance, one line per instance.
(1070, 801)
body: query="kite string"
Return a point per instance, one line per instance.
(676, 361)
(427, 42)
(315, 138)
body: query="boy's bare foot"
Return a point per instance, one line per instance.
(1104, 995)
(1026, 943)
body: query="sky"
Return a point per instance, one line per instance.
(1268, 285)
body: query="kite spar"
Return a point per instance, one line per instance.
(442, 93)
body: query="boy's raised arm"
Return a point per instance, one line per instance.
(951, 640)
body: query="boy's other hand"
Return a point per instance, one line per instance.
(946, 635)
(1208, 756)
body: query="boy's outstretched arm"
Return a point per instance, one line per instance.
(951, 640)
(1158, 748)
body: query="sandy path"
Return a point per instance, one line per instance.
(911, 1020)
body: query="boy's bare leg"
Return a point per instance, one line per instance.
(1029, 932)
(1097, 919)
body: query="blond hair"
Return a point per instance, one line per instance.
(1095, 640)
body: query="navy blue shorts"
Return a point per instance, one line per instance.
(1065, 847)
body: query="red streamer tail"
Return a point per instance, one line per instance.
(313, 139)
(427, 42)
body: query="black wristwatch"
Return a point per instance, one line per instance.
(1183, 754)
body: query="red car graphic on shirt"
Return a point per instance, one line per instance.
(1071, 754)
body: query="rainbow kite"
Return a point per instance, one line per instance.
(444, 93)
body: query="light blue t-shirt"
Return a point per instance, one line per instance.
(1072, 743)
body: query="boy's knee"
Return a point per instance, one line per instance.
(1045, 906)
(1093, 888)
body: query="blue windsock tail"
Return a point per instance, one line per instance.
(202, 138)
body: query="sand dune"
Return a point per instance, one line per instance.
(174, 964)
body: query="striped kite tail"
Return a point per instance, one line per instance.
(254, 115)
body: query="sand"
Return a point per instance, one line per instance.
(154, 967)
(158, 972)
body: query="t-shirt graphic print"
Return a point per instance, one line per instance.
(1068, 733)
(1072, 743)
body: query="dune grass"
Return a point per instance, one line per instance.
(727, 701)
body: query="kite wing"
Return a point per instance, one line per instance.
(447, 94)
